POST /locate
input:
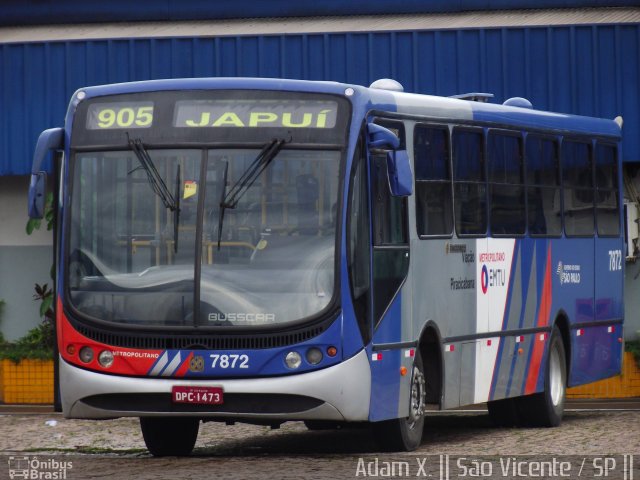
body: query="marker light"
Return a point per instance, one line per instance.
(314, 356)
(105, 358)
(332, 351)
(71, 349)
(86, 354)
(403, 371)
(293, 360)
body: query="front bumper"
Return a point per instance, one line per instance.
(339, 393)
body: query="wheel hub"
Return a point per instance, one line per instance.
(418, 397)
(556, 378)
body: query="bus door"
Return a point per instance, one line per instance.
(391, 296)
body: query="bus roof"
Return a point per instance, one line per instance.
(503, 116)
(445, 109)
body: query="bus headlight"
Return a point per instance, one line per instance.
(105, 358)
(314, 356)
(86, 354)
(293, 360)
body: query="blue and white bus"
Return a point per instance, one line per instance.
(264, 250)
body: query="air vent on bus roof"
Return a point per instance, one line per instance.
(518, 102)
(387, 84)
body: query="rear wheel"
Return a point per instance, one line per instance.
(546, 409)
(405, 434)
(169, 436)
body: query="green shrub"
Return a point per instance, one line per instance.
(36, 344)
(634, 347)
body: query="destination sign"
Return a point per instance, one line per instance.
(256, 113)
(105, 116)
(206, 117)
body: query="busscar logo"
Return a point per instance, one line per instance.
(37, 468)
(243, 317)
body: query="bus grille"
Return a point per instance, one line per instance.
(201, 342)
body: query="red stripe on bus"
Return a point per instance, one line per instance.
(543, 320)
(182, 370)
(127, 361)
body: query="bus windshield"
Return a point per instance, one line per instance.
(270, 260)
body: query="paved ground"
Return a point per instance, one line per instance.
(115, 449)
(457, 434)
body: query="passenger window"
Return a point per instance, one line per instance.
(606, 196)
(434, 197)
(577, 181)
(469, 190)
(543, 187)
(506, 185)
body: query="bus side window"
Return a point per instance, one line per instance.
(606, 195)
(506, 184)
(470, 198)
(543, 186)
(577, 182)
(434, 197)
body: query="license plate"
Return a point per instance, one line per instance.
(197, 395)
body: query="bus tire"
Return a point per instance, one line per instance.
(545, 409)
(169, 436)
(405, 434)
(504, 412)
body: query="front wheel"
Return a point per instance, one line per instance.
(405, 434)
(545, 409)
(169, 436)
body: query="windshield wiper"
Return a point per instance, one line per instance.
(247, 179)
(153, 176)
(157, 184)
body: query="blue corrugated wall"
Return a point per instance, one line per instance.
(589, 70)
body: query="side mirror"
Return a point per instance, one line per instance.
(399, 173)
(37, 194)
(398, 163)
(49, 140)
(383, 138)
